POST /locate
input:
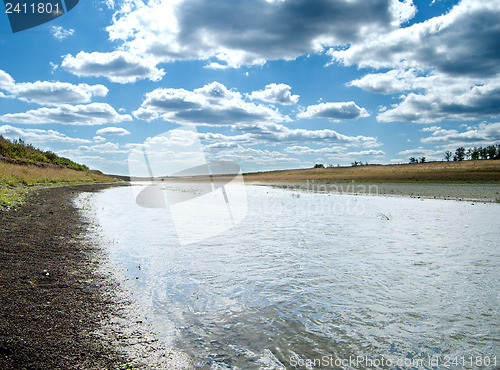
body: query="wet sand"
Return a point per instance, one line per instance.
(61, 306)
(469, 192)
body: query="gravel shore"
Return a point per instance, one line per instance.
(61, 307)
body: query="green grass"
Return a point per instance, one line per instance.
(12, 196)
(20, 152)
(24, 168)
(18, 181)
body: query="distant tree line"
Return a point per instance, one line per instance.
(27, 153)
(356, 163)
(462, 154)
(417, 160)
(353, 164)
(487, 152)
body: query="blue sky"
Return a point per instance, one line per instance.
(269, 84)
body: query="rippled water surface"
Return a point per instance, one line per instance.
(308, 277)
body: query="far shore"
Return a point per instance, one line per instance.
(480, 192)
(477, 180)
(471, 180)
(465, 192)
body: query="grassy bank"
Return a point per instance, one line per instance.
(16, 180)
(466, 172)
(24, 168)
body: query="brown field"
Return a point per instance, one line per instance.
(479, 171)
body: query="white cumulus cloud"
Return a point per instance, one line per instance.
(458, 43)
(213, 104)
(335, 152)
(113, 131)
(439, 98)
(85, 115)
(39, 136)
(482, 134)
(391, 82)
(234, 33)
(446, 67)
(51, 93)
(335, 111)
(275, 94)
(61, 33)
(117, 66)
(273, 133)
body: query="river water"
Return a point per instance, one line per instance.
(315, 280)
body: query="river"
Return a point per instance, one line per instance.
(314, 280)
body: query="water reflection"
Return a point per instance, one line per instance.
(305, 276)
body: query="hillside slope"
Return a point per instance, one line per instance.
(23, 166)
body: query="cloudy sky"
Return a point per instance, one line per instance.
(269, 84)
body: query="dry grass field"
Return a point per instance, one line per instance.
(24, 167)
(13, 174)
(17, 179)
(478, 171)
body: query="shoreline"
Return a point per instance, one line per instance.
(61, 305)
(460, 192)
(12, 196)
(127, 324)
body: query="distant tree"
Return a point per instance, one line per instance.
(483, 152)
(448, 155)
(355, 163)
(468, 154)
(319, 165)
(422, 159)
(459, 154)
(20, 141)
(492, 151)
(475, 154)
(497, 156)
(413, 160)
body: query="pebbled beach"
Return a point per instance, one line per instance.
(60, 306)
